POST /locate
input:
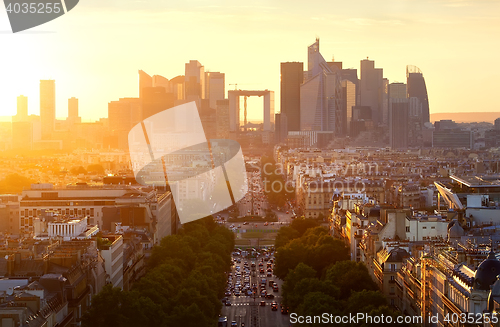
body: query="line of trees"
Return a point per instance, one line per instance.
(185, 279)
(277, 192)
(320, 278)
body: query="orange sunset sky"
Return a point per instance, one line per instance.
(94, 51)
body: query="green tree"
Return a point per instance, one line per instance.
(364, 301)
(14, 183)
(285, 235)
(350, 277)
(300, 272)
(316, 304)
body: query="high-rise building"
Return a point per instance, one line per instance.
(155, 100)
(144, 81)
(320, 94)
(292, 76)
(222, 119)
(122, 116)
(397, 91)
(398, 116)
(22, 108)
(47, 107)
(160, 81)
(214, 87)
(73, 110)
(349, 102)
(371, 89)
(497, 124)
(280, 128)
(177, 85)
(385, 102)
(194, 80)
(416, 88)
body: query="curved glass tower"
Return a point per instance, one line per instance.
(417, 89)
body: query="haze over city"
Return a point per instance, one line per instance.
(95, 51)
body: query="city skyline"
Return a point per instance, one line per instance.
(437, 37)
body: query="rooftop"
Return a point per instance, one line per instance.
(479, 181)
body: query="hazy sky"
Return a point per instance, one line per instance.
(95, 50)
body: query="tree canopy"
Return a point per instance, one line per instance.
(319, 277)
(184, 281)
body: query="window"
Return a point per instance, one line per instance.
(424, 227)
(433, 227)
(407, 229)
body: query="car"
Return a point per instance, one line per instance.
(234, 324)
(271, 283)
(276, 288)
(269, 274)
(270, 296)
(224, 300)
(263, 303)
(284, 310)
(274, 306)
(227, 303)
(228, 293)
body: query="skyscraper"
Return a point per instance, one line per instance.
(155, 100)
(320, 94)
(47, 107)
(349, 102)
(398, 116)
(222, 119)
(371, 89)
(123, 115)
(177, 85)
(160, 81)
(280, 128)
(73, 110)
(144, 81)
(22, 108)
(194, 80)
(214, 87)
(292, 76)
(417, 89)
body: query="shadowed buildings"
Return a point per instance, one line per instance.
(292, 76)
(398, 116)
(371, 89)
(320, 94)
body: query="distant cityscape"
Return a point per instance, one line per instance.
(415, 202)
